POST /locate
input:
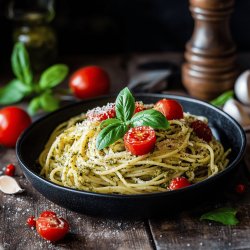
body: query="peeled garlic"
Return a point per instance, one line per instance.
(8, 185)
(242, 87)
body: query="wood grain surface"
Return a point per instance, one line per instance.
(181, 231)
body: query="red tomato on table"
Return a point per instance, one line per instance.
(171, 109)
(51, 227)
(13, 121)
(90, 81)
(10, 170)
(140, 140)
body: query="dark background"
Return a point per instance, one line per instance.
(124, 26)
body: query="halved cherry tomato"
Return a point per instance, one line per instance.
(90, 81)
(202, 130)
(179, 182)
(13, 121)
(171, 109)
(51, 227)
(102, 113)
(10, 170)
(140, 140)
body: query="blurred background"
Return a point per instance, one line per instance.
(109, 27)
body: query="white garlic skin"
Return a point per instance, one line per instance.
(242, 87)
(9, 185)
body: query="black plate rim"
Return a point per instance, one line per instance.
(232, 165)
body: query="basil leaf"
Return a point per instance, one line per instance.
(223, 98)
(110, 121)
(49, 102)
(53, 76)
(110, 134)
(21, 64)
(150, 117)
(224, 215)
(34, 105)
(125, 105)
(13, 92)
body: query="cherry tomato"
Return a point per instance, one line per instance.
(51, 227)
(202, 130)
(140, 140)
(90, 81)
(171, 109)
(139, 107)
(240, 189)
(13, 121)
(31, 221)
(179, 182)
(10, 170)
(102, 113)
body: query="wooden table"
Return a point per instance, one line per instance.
(182, 231)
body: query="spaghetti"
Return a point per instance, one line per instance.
(70, 158)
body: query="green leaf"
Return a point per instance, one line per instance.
(107, 122)
(21, 64)
(125, 105)
(53, 76)
(110, 134)
(13, 92)
(34, 105)
(226, 216)
(150, 117)
(49, 102)
(223, 98)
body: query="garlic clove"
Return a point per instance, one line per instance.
(242, 87)
(237, 111)
(9, 185)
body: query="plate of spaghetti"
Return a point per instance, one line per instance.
(132, 156)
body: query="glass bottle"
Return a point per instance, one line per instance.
(31, 19)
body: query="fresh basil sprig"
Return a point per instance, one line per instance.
(115, 128)
(25, 86)
(224, 215)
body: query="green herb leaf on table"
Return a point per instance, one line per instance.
(14, 92)
(226, 216)
(150, 117)
(21, 64)
(110, 134)
(125, 105)
(53, 76)
(223, 98)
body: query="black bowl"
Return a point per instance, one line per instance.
(32, 142)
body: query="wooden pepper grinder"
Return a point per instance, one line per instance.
(210, 66)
